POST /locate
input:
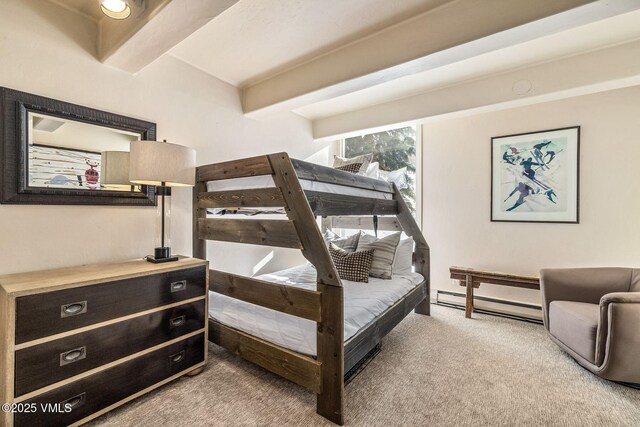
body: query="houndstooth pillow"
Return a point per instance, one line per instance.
(353, 266)
(364, 160)
(351, 167)
(385, 247)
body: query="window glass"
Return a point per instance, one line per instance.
(395, 152)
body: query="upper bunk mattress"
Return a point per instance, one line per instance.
(265, 181)
(363, 302)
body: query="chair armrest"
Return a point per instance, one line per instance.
(581, 285)
(620, 297)
(619, 313)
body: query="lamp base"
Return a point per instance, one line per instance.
(162, 255)
(161, 260)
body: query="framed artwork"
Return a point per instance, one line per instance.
(535, 176)
(59, 167)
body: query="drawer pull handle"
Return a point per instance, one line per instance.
(73, 309)
(73, 355)
(176, 358)
(176, 322)
(178, 286)
(75, 401)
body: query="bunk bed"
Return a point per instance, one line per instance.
(304, 191)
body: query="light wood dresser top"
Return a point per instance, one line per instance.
(49, 280)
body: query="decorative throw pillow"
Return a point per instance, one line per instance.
(349, 243)
(385, 252)
(403, 262)
(373, 171)
(364, 161)
(397, 177)
(351, 167)
(353, 266)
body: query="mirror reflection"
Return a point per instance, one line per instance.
(72, 155)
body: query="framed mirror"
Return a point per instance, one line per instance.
(58, 153)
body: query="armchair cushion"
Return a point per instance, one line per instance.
(575, 324)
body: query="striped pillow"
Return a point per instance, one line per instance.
(385, 252)
(353, 266)
(349, 243)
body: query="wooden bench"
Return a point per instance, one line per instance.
(471, 278)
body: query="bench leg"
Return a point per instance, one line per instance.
(469, 301)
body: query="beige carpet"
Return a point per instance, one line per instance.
(442, 370)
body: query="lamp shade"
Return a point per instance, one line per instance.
(161, 163)
(114, 168)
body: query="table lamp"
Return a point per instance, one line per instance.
(114, 170)
(163, 165)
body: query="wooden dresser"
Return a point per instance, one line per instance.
(78, 342)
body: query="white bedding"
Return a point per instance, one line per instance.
(265, 181)
(363, 302)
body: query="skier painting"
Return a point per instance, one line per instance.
(535, 176)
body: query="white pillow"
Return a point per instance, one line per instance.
(398, 177)
(403, 261)
(373, 171)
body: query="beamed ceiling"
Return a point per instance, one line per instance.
(349, 64)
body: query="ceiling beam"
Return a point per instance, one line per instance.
(132, 44)
(456, 31)
(606, 69)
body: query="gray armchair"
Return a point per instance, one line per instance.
(594, 315)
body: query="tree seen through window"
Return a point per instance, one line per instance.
(393, 150)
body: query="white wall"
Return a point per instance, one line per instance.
(49, 51)
(456, 191)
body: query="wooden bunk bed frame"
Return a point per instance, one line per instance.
(323, 374)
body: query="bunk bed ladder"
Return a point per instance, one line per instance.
(330, 333)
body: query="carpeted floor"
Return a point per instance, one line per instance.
(443, 370)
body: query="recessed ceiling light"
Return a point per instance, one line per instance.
(116, 9)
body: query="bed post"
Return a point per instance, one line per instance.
(330, 344)
(330, 332)
(421, 255)
(199, 245)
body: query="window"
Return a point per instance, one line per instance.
(396, 152)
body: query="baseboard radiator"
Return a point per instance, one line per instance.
(531, 313)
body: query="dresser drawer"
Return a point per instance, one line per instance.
(53, 361)
(50, 313)
(93, 393)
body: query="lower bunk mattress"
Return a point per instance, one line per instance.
(363, 302)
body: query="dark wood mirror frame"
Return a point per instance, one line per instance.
(14, 109)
